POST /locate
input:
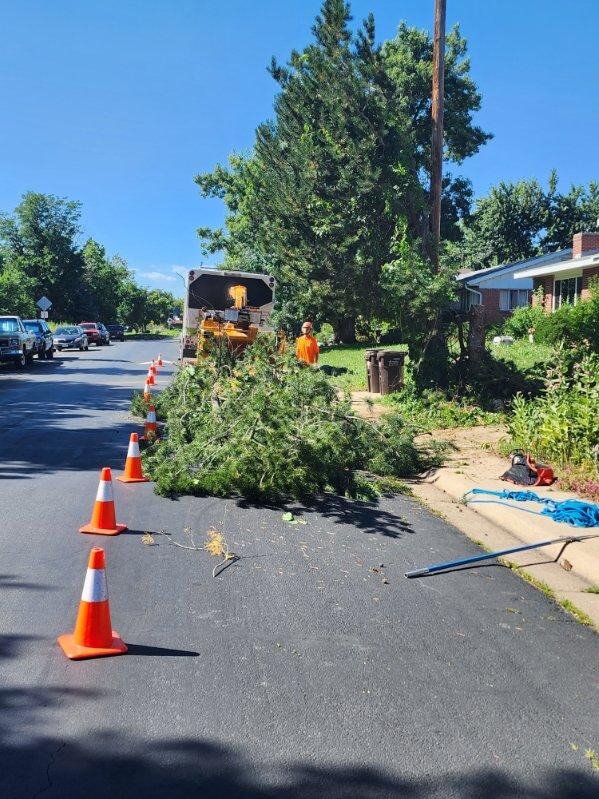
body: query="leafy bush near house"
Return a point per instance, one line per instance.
(562, 425)
(522, 320)
(265, 427)
(571, 324)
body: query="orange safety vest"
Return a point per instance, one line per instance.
(306, 349)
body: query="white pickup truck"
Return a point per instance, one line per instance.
(17, 345)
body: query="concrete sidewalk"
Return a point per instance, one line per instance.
(567, 569)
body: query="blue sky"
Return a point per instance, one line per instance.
(119, 104)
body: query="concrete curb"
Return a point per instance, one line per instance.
(566, 570)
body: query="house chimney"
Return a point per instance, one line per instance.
(583, 243)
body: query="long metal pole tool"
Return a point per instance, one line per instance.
(452, 564)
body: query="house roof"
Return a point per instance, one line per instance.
(539, 261)
(563, 265)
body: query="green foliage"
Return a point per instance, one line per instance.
(520, 220)
(266, 427)
(16, 291)
(528, 358)
(522, 320)
(431, 410)
(572, 324)
(569, 213)
(506, 226)
(39, 241)
(107, 282)
(562, 425)
(333, 198)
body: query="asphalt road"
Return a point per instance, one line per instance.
(309, 668)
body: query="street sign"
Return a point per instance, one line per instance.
(43, 314)
(44, 304)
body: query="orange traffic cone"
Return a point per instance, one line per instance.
(103, 520)
(153, 368)
(133, 471)
(93, 636)
(147, 391)
(159, 359)
(150, 377)
(150, 425)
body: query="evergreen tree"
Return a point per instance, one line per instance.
(335, 189)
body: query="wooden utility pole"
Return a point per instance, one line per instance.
(437, 135)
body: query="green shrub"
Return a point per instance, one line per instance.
(571, 324)
(266, 427)
(522, 320)
(562, 425)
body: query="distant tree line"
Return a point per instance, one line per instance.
(40, 255)
(520, 220)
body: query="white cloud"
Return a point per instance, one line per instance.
(158, 276)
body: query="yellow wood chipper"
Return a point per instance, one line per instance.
(224, 308)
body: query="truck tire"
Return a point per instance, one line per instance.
(22, 361)
(29, 357)
(50, 354)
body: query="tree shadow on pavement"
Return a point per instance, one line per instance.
(49, 432)
(369, 517)
(110, 764)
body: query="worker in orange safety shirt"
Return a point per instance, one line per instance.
(306, 347)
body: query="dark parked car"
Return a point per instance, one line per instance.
(117, 332)
(96, 333)
(44, 342)
(70, 337)
(105, 334)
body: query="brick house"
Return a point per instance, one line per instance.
(498, 289)
(568, 279)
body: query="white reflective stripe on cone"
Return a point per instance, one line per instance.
(104, 491)
(94, 587)
(151, 416)
(133, 451)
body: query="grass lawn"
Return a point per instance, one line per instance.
(347, 364)
(522, 354)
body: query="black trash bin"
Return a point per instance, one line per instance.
(390, 370)
(372, 371)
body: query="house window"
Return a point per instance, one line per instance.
(512, 298)
(566, 291)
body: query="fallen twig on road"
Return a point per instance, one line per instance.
(216, 544)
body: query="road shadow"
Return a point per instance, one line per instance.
(369, 517)
(112, 764)
(159, 651)
(56, 427)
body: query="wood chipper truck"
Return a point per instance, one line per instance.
(225, 308)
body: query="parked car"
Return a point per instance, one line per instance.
(44, 341)
(96, 333)
(174, 321)
(117, 332)
(70, 337)
(105, 334)
(16, 343)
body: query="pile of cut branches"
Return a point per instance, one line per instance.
(266, 427)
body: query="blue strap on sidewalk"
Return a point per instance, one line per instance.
(569, 511)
